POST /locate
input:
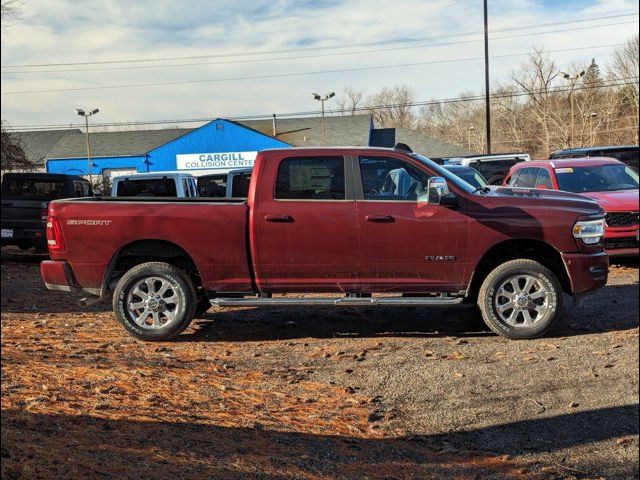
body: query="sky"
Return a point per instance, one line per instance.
(258, 58)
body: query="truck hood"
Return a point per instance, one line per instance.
(530, 197)
(618, 201)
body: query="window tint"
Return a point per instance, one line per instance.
(514, 178)
(385, 178)
(240, 185)
(33, 188)
(311, 178)
(527, 178)
(544, 179)
(147, 187)
(213, 186)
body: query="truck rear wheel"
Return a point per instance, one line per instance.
(520, 299)
(154, 301)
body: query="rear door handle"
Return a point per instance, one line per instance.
(278, 218)
(380, 218)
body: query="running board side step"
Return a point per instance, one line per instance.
(338, 302)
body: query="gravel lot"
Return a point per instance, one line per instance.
(310, 393)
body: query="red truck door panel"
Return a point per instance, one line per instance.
(406, 245)
(305, 228)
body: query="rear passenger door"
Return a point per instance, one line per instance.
(305, 228)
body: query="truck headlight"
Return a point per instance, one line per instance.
(590, 231)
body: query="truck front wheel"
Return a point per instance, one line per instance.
(520, 299)
(154, 301)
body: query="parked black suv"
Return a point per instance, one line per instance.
(25, 199)
(625, 153)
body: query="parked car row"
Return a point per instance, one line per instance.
(26, 196)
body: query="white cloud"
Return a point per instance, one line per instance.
(67, 31)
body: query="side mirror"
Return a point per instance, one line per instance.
(437, 189)
(541, 187)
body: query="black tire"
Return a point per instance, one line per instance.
(488, 303)
(180, 286)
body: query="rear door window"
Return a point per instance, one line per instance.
(311, 178)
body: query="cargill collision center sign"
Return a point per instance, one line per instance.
(222, 160)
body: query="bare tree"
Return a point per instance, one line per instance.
(392, 107)
(349, 101)
(624, 68)
(9, 11)
(13, 157)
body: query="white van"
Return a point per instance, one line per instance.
(169, 184)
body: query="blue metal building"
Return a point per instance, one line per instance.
(217, 146)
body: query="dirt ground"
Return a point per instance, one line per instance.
(316, 393)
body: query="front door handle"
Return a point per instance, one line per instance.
(380, 218)
(279, 218)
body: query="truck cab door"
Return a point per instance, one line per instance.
(303, 226)
(406, 245)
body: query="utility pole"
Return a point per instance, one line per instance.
(322, 99)
(486, 78)
(572, 79)
(86, 116)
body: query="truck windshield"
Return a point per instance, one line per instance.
(598, 178)
(442, 172)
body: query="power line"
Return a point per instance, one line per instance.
(227, 62)
(520, 93)
(290, 74)
(326, 47)
(358, 52)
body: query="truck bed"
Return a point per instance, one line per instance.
(212, 232)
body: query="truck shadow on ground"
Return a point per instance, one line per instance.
(596, 316)
(65, 446)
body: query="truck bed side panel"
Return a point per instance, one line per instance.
(213, 234)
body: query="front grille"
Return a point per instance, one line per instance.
(621, 219)
(616, 243)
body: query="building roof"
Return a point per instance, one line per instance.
(343, 130)
(340, 131)
(419, 143)
(38, 144)
(115, 144)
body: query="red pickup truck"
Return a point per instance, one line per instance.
(352, 226)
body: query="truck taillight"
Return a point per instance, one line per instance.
(55, 242)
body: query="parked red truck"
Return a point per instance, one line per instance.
(354, 226)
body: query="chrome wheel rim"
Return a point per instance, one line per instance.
(153, 303)
(523, 301)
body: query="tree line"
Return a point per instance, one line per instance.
(538, 109)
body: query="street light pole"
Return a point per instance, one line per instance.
(572, 79)
(86, 116)
(469, 130)
(322, 99)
